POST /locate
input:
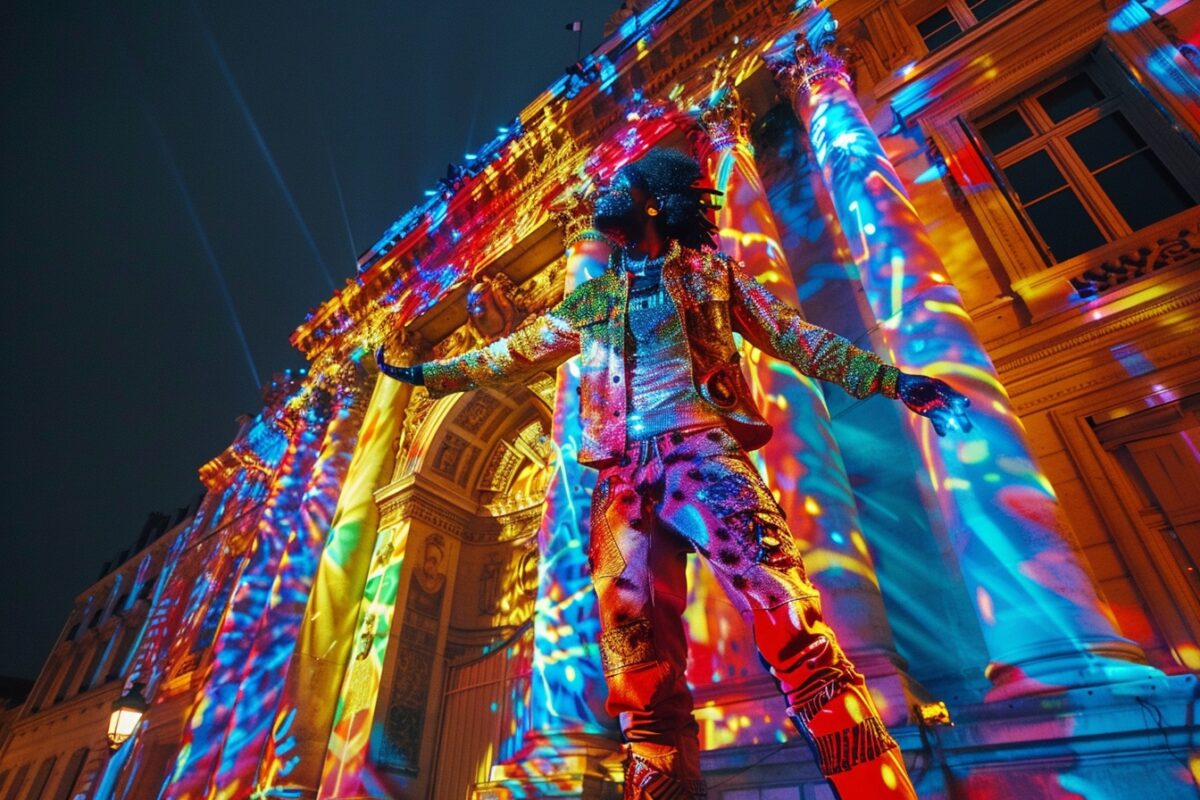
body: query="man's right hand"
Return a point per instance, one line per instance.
(937, 400)
(414, 375)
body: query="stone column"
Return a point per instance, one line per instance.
(195, 574)
(802, 462)
(272, 651)
(300, 733)
(213, 707)
(570, 734)
(1043, 623)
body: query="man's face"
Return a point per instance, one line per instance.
(621, 210)
(433, 559)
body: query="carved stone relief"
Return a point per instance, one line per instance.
(416, 652)
(476, 412)
(1163, 252)
(450, 455)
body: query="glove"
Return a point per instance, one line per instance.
(934, 399)
(414, 375)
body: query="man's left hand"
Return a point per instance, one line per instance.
(935, 399)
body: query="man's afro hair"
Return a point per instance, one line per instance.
(674, 180)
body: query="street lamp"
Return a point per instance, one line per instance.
(127, 711)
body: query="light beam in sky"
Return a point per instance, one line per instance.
(215, 49)
(337, 185)
(198, 226)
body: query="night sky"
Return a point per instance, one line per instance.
(153, 152)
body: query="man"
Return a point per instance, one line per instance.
(667, 418)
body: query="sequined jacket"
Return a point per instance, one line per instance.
(716, 297)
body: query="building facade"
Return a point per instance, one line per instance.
(385, 595)
(53, 744)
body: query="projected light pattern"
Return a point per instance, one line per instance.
(274, 641)
(180, 600)
(801, 463)
(212, 708)
(327, 639)
(567, 695)
(198, 571)
(280, 600)
(348, 767)
(1040, 615)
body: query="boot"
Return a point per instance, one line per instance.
(855, 752)
(646, 781)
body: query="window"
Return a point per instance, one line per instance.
(40, 778)
(946, 21)
(71, 774)
(18, 782)
(939, 28)
(68, 679)
(1086, 160)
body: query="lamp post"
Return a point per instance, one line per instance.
(127, 711)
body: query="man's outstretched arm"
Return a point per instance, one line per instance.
(778, 330)
(540, 343)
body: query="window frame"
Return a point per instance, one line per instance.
(1051, 138)
(921, 10)
(1104, 68)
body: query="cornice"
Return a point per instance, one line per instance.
(1051, 390)
(408, 499)
(561, 131)
(1100, 330)
(977, 70)
(97, 700)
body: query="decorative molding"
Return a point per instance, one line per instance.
(1098, 330)
(545, 288)
(985, 201)
(416, 505)
(1146, 258)
(458, 341)
(573, 213)
(552, 144)
(812, 61)
(498, 471)
(418, 408)
(533, 296)
(449, 458)
(493, 308)
(476, 411)
(544, 388)
(1167, 244)
(966, 76)
(1056, 392)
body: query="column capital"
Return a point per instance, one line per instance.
(726, 120)
(350, 380)
(816, 55)
(573, 212)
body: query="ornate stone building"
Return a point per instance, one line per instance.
(385, 595)
(54, 745)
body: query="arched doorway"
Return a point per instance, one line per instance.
(470, 482)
